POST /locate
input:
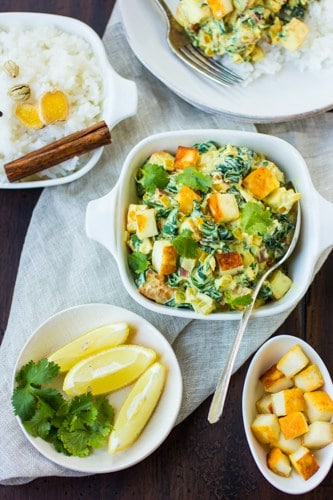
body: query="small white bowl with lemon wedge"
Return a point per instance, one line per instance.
(66, 327)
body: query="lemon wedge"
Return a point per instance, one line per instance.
(108, 370)
(103, 337)
(137, 408)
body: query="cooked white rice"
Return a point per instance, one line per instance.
(48, 59)
(316, 51)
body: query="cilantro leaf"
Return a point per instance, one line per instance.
(23, 403)
(255, 219)
(195, 179)
(152, 177)
(42, 372)
(74, 426)
(238, 301)
(138, 262)
(185, 244)
(40, 424)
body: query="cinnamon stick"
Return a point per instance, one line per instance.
(75, 144)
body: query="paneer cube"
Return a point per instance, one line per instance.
(288, 401)
(186, 157)
(131, 216)
(164, 159)
(185, 197)
(309, 379)
(264, 404)
(223, 207)
(155, 289)
(280, 284)
(266, 428)
(281, 200)
(220, 8)
(293, 425)
(304, 462)
(288, 445)
(164, 257)
(229, 262)
(190, 12)
(192, 225)
(319, 435)
(275, 5)
(293, 34)
(146, 224)
(293, 361)
(278, 462)
(319, 406)
(274, 380)
(260, 182)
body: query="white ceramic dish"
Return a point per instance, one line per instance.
(265, 357)
(68, 324)
(105, 217)
(253, 103)
(119, 100)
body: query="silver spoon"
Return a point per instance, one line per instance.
(217, 404)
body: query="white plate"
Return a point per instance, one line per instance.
(65, 326)
(270, 352)
(286, 95)
(119, 99)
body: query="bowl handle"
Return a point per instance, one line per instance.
(127, 99)
(325, 224)
(100, 220)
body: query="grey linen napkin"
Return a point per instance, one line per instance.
(60, 267)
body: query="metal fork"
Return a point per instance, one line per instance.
(181, 45)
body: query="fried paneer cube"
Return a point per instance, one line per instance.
(260, 182)
(273, 380)
(164, 257)
(319, 435)
(278, 462)
(223, 207)
(288, 401)
(293, 425)
(293, 34)
(293, 361)
(220, 8)
(309, 379)
(304, 462)
(186, 157)
(266, 428)
(319, 406)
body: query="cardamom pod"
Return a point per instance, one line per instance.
(11, 68)
(20, 92)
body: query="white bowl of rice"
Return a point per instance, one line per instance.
(57, 53)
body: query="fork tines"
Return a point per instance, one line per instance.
(208, 66)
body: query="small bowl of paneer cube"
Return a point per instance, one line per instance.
(198, 216)
(287, 412)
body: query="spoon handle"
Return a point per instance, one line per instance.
(217, 404)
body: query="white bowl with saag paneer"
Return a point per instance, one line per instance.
(198, 215)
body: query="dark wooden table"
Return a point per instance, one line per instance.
(197, 461)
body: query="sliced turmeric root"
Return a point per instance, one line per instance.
(54, 106)
(28, 115)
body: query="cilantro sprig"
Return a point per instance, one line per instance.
(185, 244)
(255, 219)
(75, 426)
(138, 262)
(194, 179)
(152, 176)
